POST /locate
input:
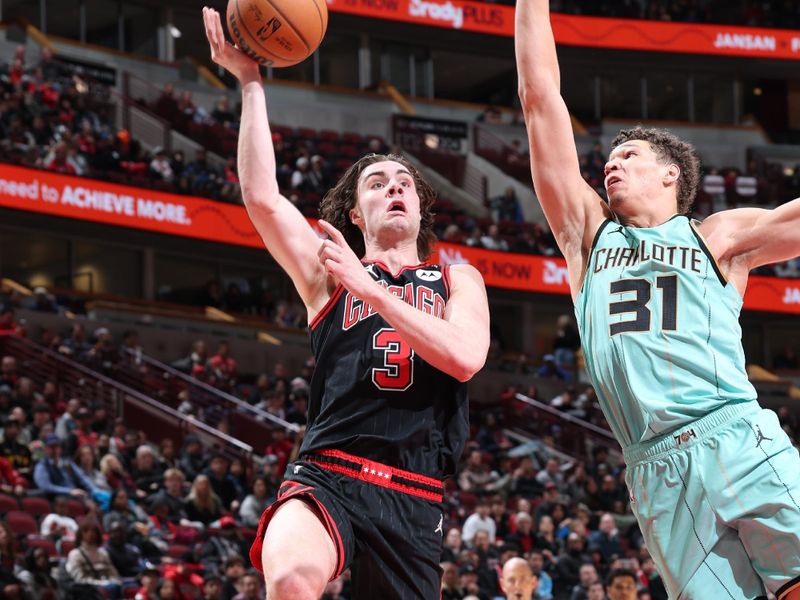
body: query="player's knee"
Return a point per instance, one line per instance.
(296, 584)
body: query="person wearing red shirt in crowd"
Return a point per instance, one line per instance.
(280, 447)
(11, 482)
(59, 163)
(221, 365)
(8, 324)
(149, 589)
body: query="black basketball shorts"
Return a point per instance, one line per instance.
(386, 523)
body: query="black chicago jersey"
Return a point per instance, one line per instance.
(371, 395)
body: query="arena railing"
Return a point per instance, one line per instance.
(138, 410)
(571, 435)
(211, 405)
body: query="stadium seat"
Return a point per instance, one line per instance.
(75, 508)
(67, 546)
(21, 523)
(33, 541)
(329, 135)
(8, 503)
(36, 506)
(177, 550)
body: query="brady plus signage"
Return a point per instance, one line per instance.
(90, 200)
(594, 32)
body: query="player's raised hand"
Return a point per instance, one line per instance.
(223, 52)
(342, 263)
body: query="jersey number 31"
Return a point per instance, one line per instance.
(642, 316)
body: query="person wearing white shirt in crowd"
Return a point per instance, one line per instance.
(479, 521)
(58, 524)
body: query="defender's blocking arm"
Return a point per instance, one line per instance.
(573, 209)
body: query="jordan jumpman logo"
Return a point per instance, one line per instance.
(439, 526)
(761, 437)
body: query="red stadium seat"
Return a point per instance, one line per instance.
(329, 136)
(21, 523)
(8, 503)
(177, 550)
(39, 542)
(306, 133)
(350, 137)
(37, 506)
(75, 508)
(67, 546)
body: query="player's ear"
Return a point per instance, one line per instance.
(672, 175)
(355, 217)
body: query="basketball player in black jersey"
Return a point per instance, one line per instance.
(395, 341)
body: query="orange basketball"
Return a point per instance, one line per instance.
(277, 33)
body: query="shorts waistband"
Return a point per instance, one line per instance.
(377, 473)
(690, 434)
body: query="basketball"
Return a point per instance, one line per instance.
(277, 33)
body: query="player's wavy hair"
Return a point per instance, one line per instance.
(669, 149)
(341, 198)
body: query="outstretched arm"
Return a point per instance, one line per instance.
(456, 344)
(573, 209)
(745, 238)
(285, 231)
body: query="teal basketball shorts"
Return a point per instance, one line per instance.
(718, 503)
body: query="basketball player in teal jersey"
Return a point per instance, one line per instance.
(714, 480)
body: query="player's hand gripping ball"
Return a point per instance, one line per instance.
(277, 33)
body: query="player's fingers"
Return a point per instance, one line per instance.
(211, 34)
(220, 32)
(332, 232)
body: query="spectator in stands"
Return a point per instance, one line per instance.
(475, 476)
(523, 538)
(16, 453)
(222, 367)
(139, 530)
(596, 591)
(117, 477)
(492, 239)
(172, 494)
(544, 590)
(89, 562)
(506, 206)
(11, 482)
(450, 582)
(280, 447)
(127, 558)
(81, 434)
(251, 587)
(652, 580)
(223, 115)
(232, 572)
(546, 538)
(192, 461)
(59, 525)
(550, 369)
(160, 166)
(479, 521)
(75, 343)
(570, 560)
(227, 543)
(102, 355)
(621, 585)
(606, 538)
(202, 504)
(10, 571)
(566, 343)
(551, 474)
(55, 475)
(319, 175)
(37, 576)
(518, 580)
(587, 576)
(255, 503)
(149, 584)
(222, 482)
(195, 363)
(8, 365)
(524, 481)
(212, 587)
(146, 472)
(58, 159)
(301, 178)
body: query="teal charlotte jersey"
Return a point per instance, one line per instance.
(660, 329)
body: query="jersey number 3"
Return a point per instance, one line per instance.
(668, 284)
(397, 372)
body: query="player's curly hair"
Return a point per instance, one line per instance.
(341, 198)
(670, 149)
